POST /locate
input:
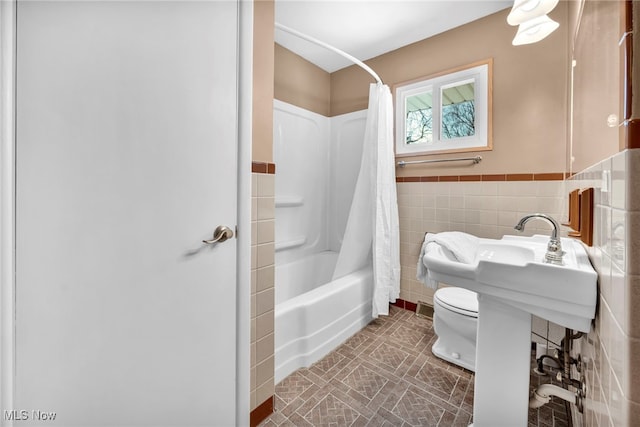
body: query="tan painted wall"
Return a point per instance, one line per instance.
(301, 83)
(597, 91)
(635, 69)
(263, 66)
(529, 92)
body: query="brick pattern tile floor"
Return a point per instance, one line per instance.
(386, 375)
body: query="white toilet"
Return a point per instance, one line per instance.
(455, 321)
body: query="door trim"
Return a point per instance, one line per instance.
(243, 258)
(8, 221)
(7, 203)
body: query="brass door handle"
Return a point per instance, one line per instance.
(220, 234)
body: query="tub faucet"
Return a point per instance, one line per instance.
(554, 248)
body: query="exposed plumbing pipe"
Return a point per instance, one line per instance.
(548, 356)
(540, 362)
(542, 395)
(566, 353)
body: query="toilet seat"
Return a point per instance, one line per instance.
(458, 300)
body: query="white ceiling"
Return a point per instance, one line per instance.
(366, 29)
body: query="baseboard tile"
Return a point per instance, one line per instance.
(261, 412)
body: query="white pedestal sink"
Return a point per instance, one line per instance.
(513, 282)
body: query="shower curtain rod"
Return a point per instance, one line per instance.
(331, 48)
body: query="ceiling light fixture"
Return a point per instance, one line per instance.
(532, 20)
(534, 30)
(525, 10)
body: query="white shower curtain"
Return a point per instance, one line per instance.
(372, 228)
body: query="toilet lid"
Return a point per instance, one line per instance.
(460, 300)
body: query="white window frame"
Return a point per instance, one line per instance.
(481, 73)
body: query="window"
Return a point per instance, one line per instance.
(449, 112)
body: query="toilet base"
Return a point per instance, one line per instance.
(442, 351)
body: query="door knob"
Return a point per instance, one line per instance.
(220, 234)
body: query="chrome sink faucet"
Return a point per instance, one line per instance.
(554, 248)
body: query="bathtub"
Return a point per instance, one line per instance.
(313, 314)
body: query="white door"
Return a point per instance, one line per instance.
(126, 161)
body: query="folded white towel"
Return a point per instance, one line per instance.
(454, 245)
(422, 274)
(463, 246)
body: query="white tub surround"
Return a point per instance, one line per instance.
(318, 161)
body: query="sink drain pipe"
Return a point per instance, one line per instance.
(542, 395)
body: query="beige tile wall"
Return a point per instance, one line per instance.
(483, 208)
(262, 287)
(490, 209)
(611, 350)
